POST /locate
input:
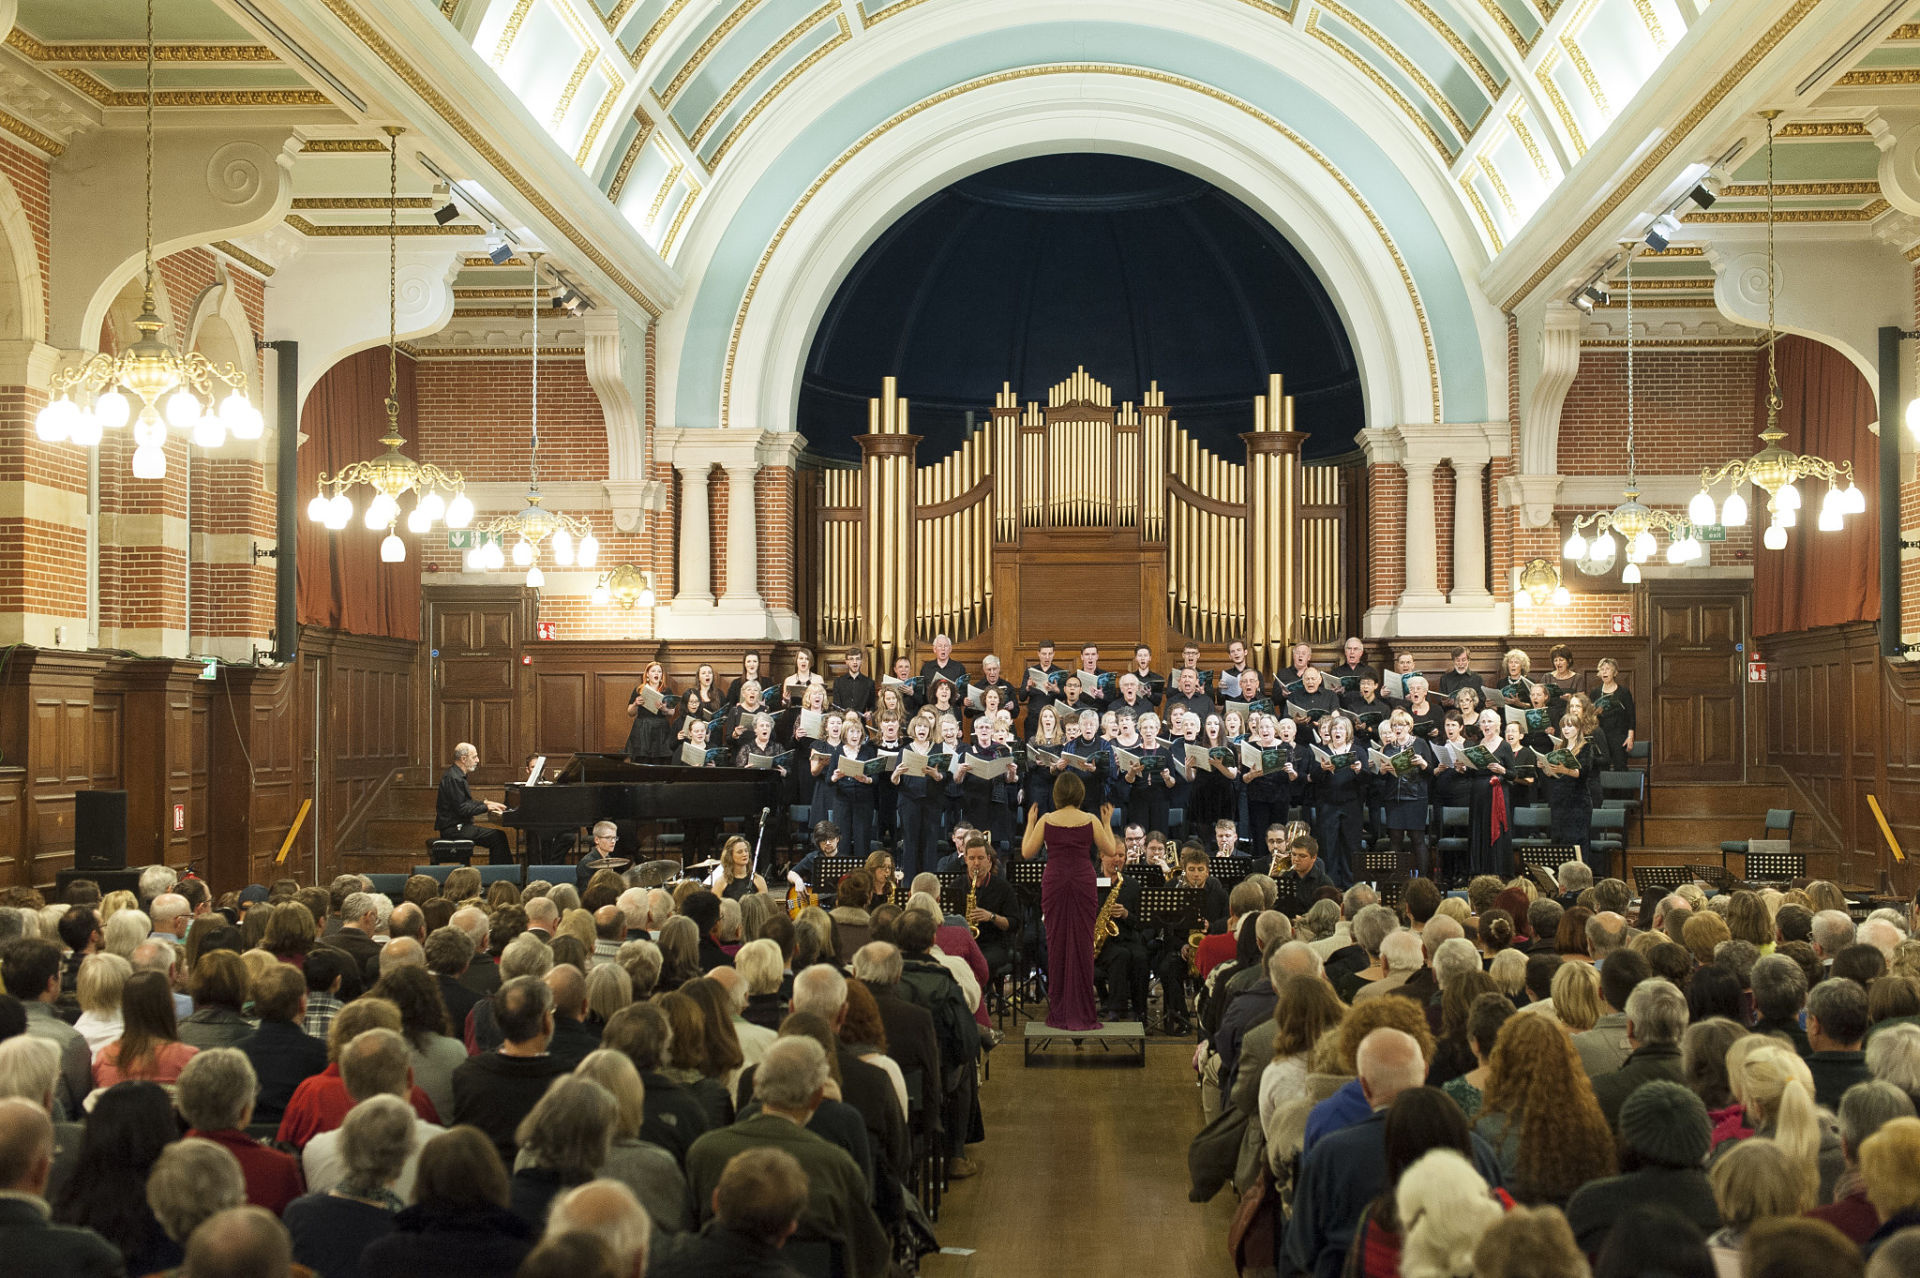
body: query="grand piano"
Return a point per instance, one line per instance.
(607, 787)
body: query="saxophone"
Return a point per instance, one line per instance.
(1105, 926)
(973, 903)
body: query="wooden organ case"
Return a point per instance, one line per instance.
(1081, 522)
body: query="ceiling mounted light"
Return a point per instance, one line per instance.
(1635, 522)
(173, 388)
(534, 525)
(446, 213)
(1662, 232)
(1701, 196)
(1774, 470)
(393, 474)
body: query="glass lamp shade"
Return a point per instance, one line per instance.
(209, 431)
(183, 409)
(1856, 500)
(1700, 510)
(339, 512)
(392, 550)
(54, 423)
(239, 416)
(1631, 573)
(318, 507)
(589, 552)
(1576, 547)
(647, 596)
(1644, 546)
(562, 548)
(433, 504)
(149, 431)
(1775, 537)
(150, 462)
(86, 429)
(535, 578)
(522, 553)
(417, 522)
(1734, 513)
(1829, 520)
(459, 511)
(113, 409)
(496, 558)
(1788, 496)
(1602, 546)
(601, 595)
(1561, 597)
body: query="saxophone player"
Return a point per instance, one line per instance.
(1174, 958)
(1121, 964)
(994, 907)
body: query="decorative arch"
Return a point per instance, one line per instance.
(23, 289)
(1036, 111)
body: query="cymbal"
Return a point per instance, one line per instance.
(705, 865)
(653, 874)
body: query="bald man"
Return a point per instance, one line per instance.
(455, 808)
(1347, 1169)
(240, 1242)
(572, 1040)
(608, 1210)
(31, 1243)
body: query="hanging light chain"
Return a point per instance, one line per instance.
(535, 259)
(1773, 335)
(393, 280)
(148, 251)
(1632, 469)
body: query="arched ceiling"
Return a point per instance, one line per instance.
(653, 97)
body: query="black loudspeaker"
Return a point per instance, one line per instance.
(100, 829)
(108, 880)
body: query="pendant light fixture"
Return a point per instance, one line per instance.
(171, 388)
(534, 526)
(393, 474)
(1774, 470)
(1636, 523)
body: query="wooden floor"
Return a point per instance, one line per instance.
(1085, 1172)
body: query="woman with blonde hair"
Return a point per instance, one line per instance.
(609, 989)
(102, 979)
(1757, 1180)
(114, 902)
(642, 1166)
(1775, 1090)
(1576, 996)
(679, 943)
(1539, 1113)
(1509, 972)
(734, 877)
(1748, 920)
(290, 934)
(578, 924)
(1890, 1166)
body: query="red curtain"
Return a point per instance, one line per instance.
(1820, 579)
(343, 584)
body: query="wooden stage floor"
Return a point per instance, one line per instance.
(1085, 1171)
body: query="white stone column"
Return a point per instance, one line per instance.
(696, 538)
(1470, 533)
(743, 539)
(1422, 552)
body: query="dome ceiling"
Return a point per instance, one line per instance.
(1024, 272)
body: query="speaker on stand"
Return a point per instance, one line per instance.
(100, 830)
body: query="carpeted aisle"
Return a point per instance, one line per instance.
(1085, 1173)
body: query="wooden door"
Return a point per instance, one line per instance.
(1694, 703)
(475, 635)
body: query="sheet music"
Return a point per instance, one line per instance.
(988, 769)
(844, 766)
(809, 723)
(694, 756)
(1229, 685)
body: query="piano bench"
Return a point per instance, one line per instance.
(442, 850)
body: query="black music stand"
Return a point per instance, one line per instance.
(953, 892)
(1175, 903)
(1150, 876)
(1025, 875)
(1547, 856)
(1658, 878)
(1229, 869)
(1774, 867)
(829, 870)
(1376, 864)
(1717, 877)
(1390, 891)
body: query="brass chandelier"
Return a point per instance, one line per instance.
(393, 474)
(1774, 470)
(533, 525)
(173, 388)
(1635, 522)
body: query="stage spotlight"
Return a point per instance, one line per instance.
(446, 213)
(1701, 196)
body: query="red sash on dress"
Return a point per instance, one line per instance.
(1499, 827)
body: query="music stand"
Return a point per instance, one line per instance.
(1175, 904)
(1229, 869)
(1716, 877)
(1379, 863)
(1658, 878)
(953, 892)
(1774, 861)
(1025, 875)
(829, 870)
(1390, 891)
(1149, 875)
(1547, 856)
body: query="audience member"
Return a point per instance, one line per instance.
(373, 1063)
(332, 1227)
(28, 1239)
(458, 1224)
(190, 1181)
(282, 1053)
(494, 1090)
(215, 1097)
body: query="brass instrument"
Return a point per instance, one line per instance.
(1193, 944)
(973, 903)
(1105, 926)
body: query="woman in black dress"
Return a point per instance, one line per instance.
(1570, 798)
(1490, 818)
(702, 702)
(1615, 706)
(1406, 796)
(650, 740)
(1450, 788)
(1212, 794)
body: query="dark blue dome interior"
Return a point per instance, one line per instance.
(1026, 271)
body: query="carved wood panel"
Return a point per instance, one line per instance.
(1699, 685)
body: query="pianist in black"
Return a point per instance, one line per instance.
(456, 807)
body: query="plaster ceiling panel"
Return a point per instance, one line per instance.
(696, 87)
(715, 131)
(1813, 161)
(540, 59)
(182, 21)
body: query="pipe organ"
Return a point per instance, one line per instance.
(1083, 520)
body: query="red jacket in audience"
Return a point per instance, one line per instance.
(273, 1178)
(321, 1103)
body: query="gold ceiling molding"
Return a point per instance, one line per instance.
(901, 6)
(1480, 210)
(666, 188)
(1080, 68)
(1677, 250)
(22, 42)
(1460, 47)
(739, 13)
(1499, 186)
(343, 146)
(1587, 76)
(246, 259)
(680, 218)
(1669, 141)
(1656, 284)
(447, 8)
(1499, 15)
(1879, 76)
(1407, 66)
(1865, 213)
(1677, 343)
(493, 312)
(1906, 31)
(488, 264)
(574, 81)
(1517, 118)
(1551, 87)
(739, 86)
(339, 203)
(511, 32)
(628, 160)
(1661, 303)
(492, 352)
(1822, 129)
(800, 68)
(463, 293)
(108, 97)
(1792, 190)
(654, 32)
(37, 138)
(1651, 21)
(1380, 82)
(305, 227)
(476, 137)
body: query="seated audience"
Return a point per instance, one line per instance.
(331, 1228)
(494, 1090)
(215, 1097)
(190, 1181)
(28, 1239)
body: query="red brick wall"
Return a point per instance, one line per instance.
(1909, 508)
(1443, 494)
(32, 182)
(666, 563)
(1387, 569)
(773, 502)
(1690, 407)
(476, 415)
(717, 513)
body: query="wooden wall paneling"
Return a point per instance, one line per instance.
(13, 826)
(47, 728)
(369, 716)
(253, 753)
(477, 633)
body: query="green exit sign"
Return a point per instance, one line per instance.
(469, 538)
(1711, 532)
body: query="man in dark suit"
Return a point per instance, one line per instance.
(449, 955)
(911, 1041)
(32, 1243)
(942, 666)
(456, 807)
(360, 918)
(821, 989)
(282, 1053)
(853, 690)
(756, 1207)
